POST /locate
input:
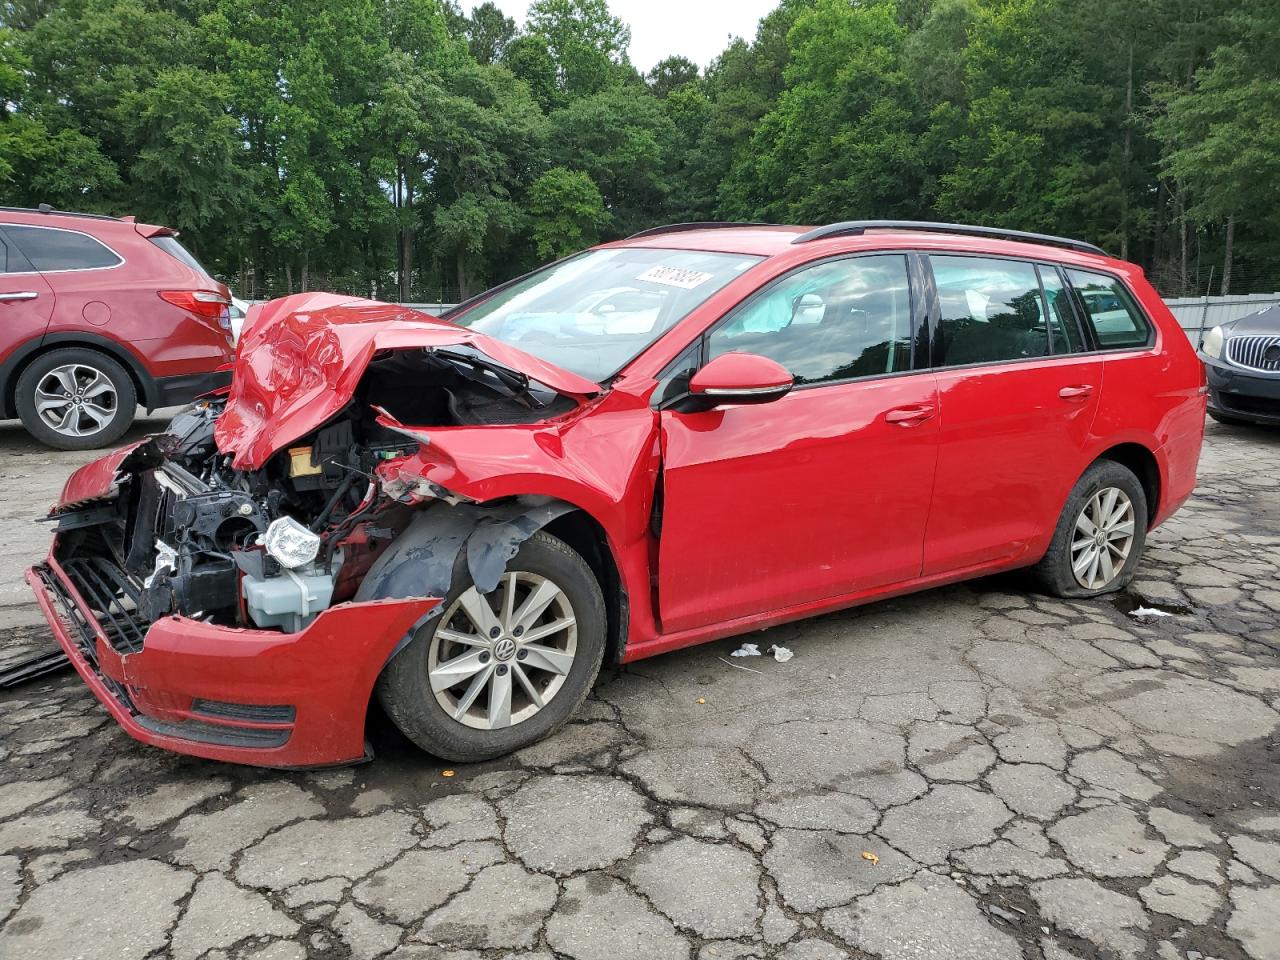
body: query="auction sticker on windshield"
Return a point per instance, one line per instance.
(675, 277)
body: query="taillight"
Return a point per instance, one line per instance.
(203, 303)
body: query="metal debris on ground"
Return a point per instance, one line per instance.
(738, 666)
(1149, 612)
(33, 668)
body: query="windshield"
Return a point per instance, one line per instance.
(594, 313)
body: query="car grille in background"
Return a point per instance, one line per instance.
(113, 597)
(1252, 352)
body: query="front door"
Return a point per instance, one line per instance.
(1018, 395)
(822, 493)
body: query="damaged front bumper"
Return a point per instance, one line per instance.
(257, 697)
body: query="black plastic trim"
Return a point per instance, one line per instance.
(855, 228)
(216, 735)
(245, 712)
(697, 225)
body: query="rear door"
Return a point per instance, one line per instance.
(1018, 394)
(26, 300)
(822, 493)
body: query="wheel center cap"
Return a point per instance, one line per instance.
(1100, 538)
(504, 649)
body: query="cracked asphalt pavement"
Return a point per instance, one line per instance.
(974, 773)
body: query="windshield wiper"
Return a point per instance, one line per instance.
(516, 382)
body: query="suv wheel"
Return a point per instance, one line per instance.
(497, 672)
(1100, 535)
(76, 399)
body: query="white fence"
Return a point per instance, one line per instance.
(1194, 312)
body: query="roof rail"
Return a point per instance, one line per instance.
(46, 208)
(853, 228)
(705, 225)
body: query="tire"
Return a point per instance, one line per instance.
(102, 387)
(406, 691)
(1230, 421)
(1070, 544)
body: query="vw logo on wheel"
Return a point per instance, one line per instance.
(504, 649)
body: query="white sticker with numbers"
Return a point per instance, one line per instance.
(675, 277)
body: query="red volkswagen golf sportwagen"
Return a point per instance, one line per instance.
(699, 431)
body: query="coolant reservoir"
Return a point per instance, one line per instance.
(289, 601)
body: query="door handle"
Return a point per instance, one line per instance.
(909, 416)
(1081, 392)
(24, 295)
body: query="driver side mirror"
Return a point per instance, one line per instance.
(737, 379)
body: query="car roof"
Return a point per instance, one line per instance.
(792, 242)
(98, 224)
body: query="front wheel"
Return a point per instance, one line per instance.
(497, 672)
(1100, 536)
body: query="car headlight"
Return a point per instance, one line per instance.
(290, 543)
(1211, 345)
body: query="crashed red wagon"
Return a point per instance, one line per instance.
(700, 431)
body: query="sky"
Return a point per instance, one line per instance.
(697, 29)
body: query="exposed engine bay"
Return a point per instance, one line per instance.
(270, 548)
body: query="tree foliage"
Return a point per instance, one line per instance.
(414, 149)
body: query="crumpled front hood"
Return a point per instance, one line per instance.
(301, 358)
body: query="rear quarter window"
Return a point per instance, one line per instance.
(51, 249)
(1114, 315)
(171, 246)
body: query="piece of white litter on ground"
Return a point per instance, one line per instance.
(746, 650)
(1149, 612)
(781, 654)
(738, 666)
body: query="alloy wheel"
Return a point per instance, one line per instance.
(495, 666)
(76, 400)
(1102, 538)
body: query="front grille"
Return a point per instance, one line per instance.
(82, 631)
(1252, 352)
(113, 597)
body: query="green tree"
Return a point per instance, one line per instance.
(586, 42)
(619, 137)
(566, 213)
(489, 33)
(670, 74)
(1222, 136)
(841, 142)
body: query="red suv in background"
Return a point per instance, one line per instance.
(97, 316)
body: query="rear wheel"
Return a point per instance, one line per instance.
(497, 672)
(1100, 535)
(74, 398)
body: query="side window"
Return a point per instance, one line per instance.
(1116, 319)
(834, 321)
(991, 310)
(1063, 326)
(11, 261)
(51, 249)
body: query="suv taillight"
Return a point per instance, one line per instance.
(203, 303)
